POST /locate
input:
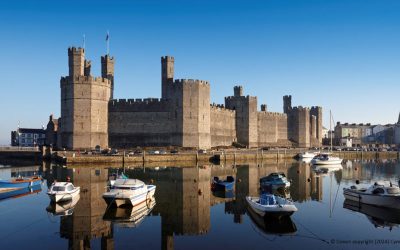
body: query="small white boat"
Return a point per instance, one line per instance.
(129, 192)
(308, 155)
(63, 191)
(326, 159)
(271, 204)
(378, 194)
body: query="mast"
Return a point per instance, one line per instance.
(330, 126)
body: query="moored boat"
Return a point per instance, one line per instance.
(275, 179)
(21, 182)
(269, 204)
(224, 185)
(272, 224)
(129, 192)
(63, 191)
(307, 155)
(326, 159)
(378, 194)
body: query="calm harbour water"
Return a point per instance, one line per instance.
(188, 215)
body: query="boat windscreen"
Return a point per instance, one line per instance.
(57, 188)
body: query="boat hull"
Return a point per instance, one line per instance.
(271, 210)
(20, 184)
(56, 197)
(376, 200)
(131, 200)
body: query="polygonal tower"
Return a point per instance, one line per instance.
(84, 105)
(107, 70)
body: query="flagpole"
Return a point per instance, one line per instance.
(108, 42)
(84, 41)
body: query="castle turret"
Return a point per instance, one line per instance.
(246, 116)
(167, 75)
(238, 91)
(76, 61)
(88, 66)
(107, 70)
(287, 104)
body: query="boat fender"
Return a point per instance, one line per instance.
(308, 180)
(357, 182)
(194, 180)
(199, 192)
(355, 168)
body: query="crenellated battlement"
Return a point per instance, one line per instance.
(86, 80)
(76, 50)
(191, 82)
(139, 105)
(167, 58)
(272, 114)
(247, 97)
(316, 108)
(221, 107)
(301, 108)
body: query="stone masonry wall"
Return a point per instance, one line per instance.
(222, 128)
(272, 128)
(137, 122)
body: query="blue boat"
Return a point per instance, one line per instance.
(21, 182)
(224, 185)
(275, 179)
(7, 193)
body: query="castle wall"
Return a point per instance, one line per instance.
(272, 128)
(222, 126)
(137, 122)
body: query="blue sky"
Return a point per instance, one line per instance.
(342, 55)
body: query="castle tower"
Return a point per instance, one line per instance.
(76, 61)
(88, 66)
(191, 109)
(287, 104)
(107, 70)
(246, 120)
(317, 112)
(167, 75)
(84, 106)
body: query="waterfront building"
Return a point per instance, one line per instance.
(28, 137)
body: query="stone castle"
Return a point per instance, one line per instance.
(182, 117)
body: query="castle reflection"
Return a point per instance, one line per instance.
(183, 198)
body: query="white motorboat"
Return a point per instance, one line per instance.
(130, 216)
(308, 155)
(271, 205)
(378, 194)
(326, 159)
(63, 191)
(63, 208)
(129, 192)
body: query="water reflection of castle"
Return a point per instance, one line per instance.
(183, 198)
